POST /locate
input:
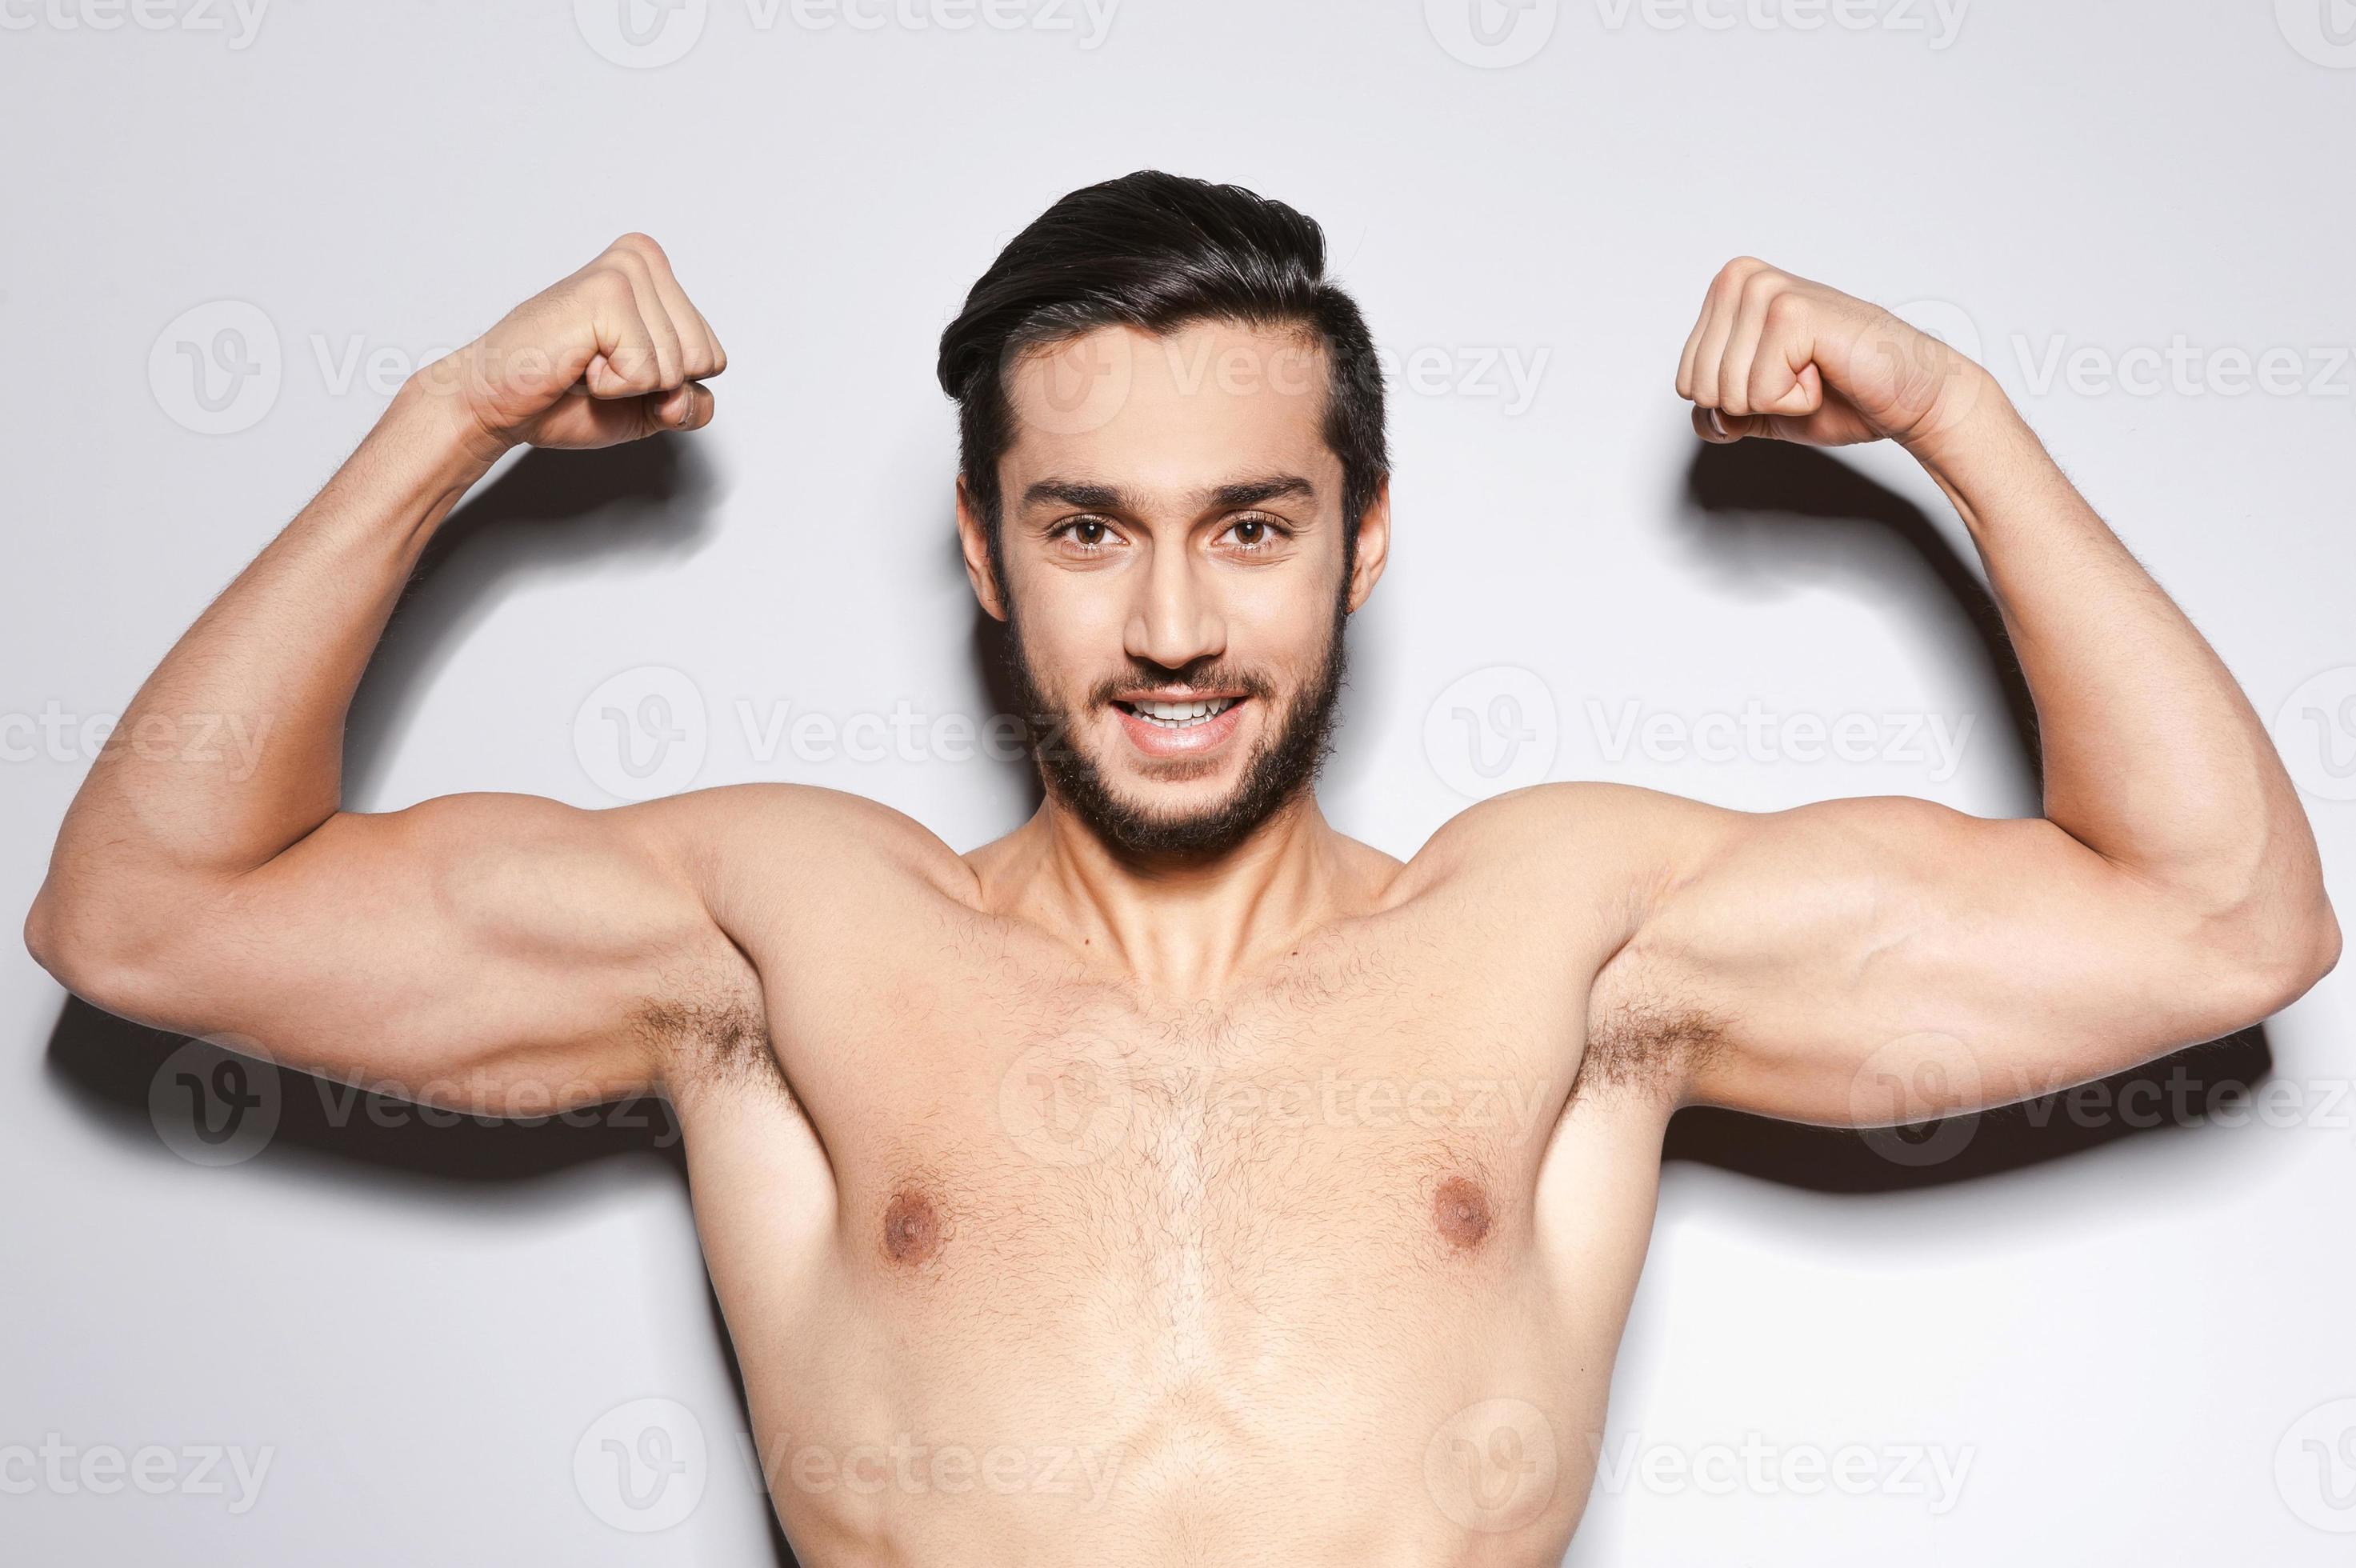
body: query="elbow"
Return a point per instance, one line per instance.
(2281, 947)
(90, 953)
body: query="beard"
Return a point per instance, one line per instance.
(1281, 769)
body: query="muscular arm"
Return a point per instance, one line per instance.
(1882, 959)
(463, 947)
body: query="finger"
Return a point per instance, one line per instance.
(699, 345)
(1693, 345)
(626, 363)
(687, 407)
(1743, 341)
(1778, 386)
(670, 359)
(1710, 354)
(1724, 429)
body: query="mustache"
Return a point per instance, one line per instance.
(1205, 675)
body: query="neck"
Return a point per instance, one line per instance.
(1180, 927)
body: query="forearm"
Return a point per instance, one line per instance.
(2152, 754)
(232, 750)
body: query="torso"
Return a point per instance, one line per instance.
(1025, 1267)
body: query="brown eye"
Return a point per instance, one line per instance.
(1089, 530)
(1254, 535)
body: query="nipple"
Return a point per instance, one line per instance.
(912, 1228)
(1461, 1209)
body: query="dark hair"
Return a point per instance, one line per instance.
(1158, 252)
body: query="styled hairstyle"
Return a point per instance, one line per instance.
(1158, 252)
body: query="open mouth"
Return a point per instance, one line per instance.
(1178, 715)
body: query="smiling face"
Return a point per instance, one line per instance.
(1173, 548)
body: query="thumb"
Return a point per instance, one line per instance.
(1719, 429)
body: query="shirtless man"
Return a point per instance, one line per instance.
(1295, 1195)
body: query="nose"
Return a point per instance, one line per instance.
(1175, 619)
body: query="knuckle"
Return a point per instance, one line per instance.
(608, 285)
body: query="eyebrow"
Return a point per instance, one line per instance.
(1110, 498)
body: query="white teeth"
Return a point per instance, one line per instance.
(1177, 715)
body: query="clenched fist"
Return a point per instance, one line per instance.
(1779, 356)
(612, 353)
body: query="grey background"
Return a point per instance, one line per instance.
(2122, 1331)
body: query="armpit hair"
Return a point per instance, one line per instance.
(1640, 1038)
(714, 1035)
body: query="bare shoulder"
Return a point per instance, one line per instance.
(818, 838)
(792, 879)
(1577, 872)
(1579, 840)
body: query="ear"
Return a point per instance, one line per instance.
(1374, 546)
(973, 540)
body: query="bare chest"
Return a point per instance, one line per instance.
(1034, 1140)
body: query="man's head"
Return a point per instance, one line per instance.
(1173, 489)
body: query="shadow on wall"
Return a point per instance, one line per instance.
(156, 1092)
(1767, 514)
